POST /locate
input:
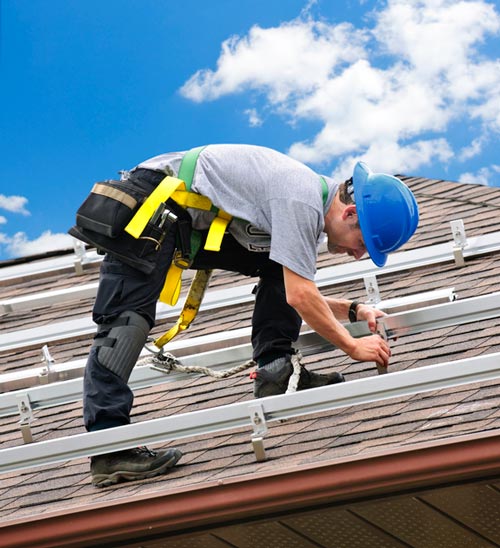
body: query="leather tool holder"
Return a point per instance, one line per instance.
(102, 217)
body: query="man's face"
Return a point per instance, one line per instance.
(351, 243)
(344, 234)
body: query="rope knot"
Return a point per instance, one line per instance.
(165, 362)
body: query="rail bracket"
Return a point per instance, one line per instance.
(372, 290)
(459, 241)
(80, 256)
(26, 416)
(259, 426)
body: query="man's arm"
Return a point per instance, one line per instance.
(320, 314)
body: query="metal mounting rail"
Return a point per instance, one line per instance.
(85, 326)
(213, 299)
(442, 315)
(326, 277)
(208, 351)
(253, 414)
(231, 348)
(48, 298)
(53, 264)
(69, 370)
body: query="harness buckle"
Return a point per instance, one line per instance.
(181, 260)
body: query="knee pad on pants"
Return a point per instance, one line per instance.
(120, 342)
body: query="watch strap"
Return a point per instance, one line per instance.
(353, 316)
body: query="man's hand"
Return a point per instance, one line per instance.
(371, 349)
(374, 346)
(369, 314)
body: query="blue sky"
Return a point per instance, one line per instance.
(90, 87)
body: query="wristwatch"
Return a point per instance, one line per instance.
(353, 316)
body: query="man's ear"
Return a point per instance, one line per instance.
(349, 212)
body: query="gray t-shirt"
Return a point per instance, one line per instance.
(276, 201)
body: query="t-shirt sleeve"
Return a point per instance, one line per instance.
(296, 228)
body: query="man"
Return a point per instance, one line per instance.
(280, 210)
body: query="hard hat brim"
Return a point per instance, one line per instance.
(361, 177)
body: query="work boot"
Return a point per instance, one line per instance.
(132, 464)
(272, 378)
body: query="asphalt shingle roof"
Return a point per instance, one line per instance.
(300, 442)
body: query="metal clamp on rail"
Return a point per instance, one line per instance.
(460, 241)
(48, 360)
(26, 414)
(259, 426)
(372, 290)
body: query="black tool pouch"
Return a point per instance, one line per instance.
(109, 207)
(103, 216)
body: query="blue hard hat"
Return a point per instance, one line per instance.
(387, 211)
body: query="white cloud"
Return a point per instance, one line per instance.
(488, 111)
(294, 58)
(20, 246)
(439, 40)
(489, 176)
(15, 204)
(436, 37)
(382, 157)
(472, 150)
(371, 105)
(253, 117)
(387, 93)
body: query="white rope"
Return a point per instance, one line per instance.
(293, 381)
(166, 363)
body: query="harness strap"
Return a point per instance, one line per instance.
(179, 190)
(160, 194)
(324, 190)
(173, 281)
(186, 198)
(190, 308)
(172, 286)
(189, 199)
(217, 230)
(188, 165)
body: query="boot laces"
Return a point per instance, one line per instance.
(144, 449)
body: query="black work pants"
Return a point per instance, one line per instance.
(107, 399)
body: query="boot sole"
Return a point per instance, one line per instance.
(105, 480)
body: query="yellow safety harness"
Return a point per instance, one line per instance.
(178, 189)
